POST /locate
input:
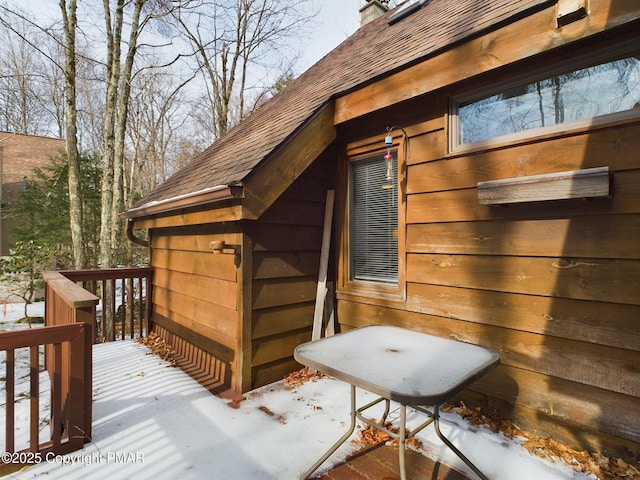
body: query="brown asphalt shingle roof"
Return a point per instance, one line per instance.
(373, 51)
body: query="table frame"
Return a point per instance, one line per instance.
(402, 436)
(387, 341)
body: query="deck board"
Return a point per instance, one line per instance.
(381, 463)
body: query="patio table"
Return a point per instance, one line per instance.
(412, 368)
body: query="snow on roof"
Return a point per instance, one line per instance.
(187, 196)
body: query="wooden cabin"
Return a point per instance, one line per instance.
(484, 158)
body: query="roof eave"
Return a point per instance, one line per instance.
(202, 197)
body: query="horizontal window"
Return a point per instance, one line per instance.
(596, 91)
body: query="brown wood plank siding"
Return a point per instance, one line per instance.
(195, 218)
(197, 299)
(511, 44)
(530, 237)
(286, 255)
(596, 279)
(595, 322)
(552, 286)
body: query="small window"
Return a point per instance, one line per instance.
(374, 219)
(406, 9)
(602, 90)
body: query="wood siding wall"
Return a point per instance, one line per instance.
(552, 286)
(286, 244)
(234, 319)
(197, 299)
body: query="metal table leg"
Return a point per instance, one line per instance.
(402, 440)
(436, 425)
(342, 439)
(401, 435)
(434, 417)
(387, 407)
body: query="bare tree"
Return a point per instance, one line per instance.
(138, 13)
(157, 114)
(116, 105)
(114, 24)
(23, 101)
(239, 45)
(91, 104)
(53, 92)
(68, 12)
(241, 50)
(70, 24)
(32, 80)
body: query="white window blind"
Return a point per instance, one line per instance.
(374, 221)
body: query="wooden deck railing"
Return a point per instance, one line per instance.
(72, 324)
(125, 295)
(66, 303)
(68, 360)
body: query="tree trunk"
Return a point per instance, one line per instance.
(106, 257)
(75, 203)
(121, 126)
(114, 35)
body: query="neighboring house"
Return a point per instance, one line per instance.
(19, 156)
(508, 216)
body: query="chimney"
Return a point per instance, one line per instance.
(372, 10)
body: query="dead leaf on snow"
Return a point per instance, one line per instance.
(159, 347)
(300, 377)
(369, 436)
(604, 468)
(268, 411)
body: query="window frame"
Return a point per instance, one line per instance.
(368, 288)
(605, 55)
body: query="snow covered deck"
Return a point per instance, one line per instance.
(151, 420)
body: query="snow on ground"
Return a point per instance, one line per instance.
(10, 312)
(151, 420)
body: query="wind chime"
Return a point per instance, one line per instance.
(388, 160)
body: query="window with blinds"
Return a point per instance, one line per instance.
(374, 220)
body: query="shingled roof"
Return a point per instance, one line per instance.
(375, 50)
